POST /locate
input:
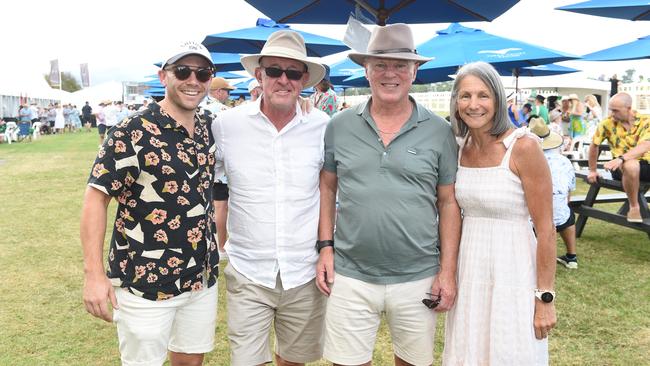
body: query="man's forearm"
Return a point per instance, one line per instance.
(449, 228)
(93, 231)
(221, 217)
(327, 206)
(638, 151)
(593, 157)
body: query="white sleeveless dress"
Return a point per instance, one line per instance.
(492, 320)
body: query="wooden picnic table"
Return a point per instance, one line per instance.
(584, 206)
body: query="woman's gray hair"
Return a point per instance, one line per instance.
(486, 73)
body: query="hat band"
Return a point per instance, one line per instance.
(394, 50)
(545, 136)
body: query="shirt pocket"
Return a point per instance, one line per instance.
(419, 162)
(304, 166)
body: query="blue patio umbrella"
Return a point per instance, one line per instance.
(629, 51)
(341, 70)
(458, 45)
(380, 11)
(622, 9)
(251, 40)
(545, 70)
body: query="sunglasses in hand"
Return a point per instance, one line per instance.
(432, 302)
(183, 72)
(275, 72)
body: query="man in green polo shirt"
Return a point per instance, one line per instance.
(393, 165)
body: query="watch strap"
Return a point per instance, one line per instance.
(320, 244)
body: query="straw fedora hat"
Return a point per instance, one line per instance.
(287, 44)
(394, 41)
(550, 139)
(572, 96)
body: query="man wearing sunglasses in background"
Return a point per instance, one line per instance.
(218, 95)
(272, 153)
(162, 262)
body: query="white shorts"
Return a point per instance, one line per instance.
(354, 311)
(147, 329)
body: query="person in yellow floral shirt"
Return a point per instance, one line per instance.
(628, 135)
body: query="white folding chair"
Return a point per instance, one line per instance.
(11, 133)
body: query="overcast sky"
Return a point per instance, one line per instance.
(123, 38)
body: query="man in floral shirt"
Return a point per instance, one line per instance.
(162, 261)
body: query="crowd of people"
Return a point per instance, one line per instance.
(332, 220)
(566, 115)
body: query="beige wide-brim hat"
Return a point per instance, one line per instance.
(394, 41)
(220, 83)
(286, 44)
(550, 139)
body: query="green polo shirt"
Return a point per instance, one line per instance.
(386, 226)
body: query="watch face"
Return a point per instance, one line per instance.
(547, 297)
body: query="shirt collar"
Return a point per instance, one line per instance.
(417, 116)
(167, 122)
(254, 109)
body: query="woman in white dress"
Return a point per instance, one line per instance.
(59, 120)
(504, 308)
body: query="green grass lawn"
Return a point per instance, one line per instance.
(603, 307)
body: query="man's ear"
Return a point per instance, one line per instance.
(162, 76)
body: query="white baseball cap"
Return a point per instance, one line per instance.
(187, 48)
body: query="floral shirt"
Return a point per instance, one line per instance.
(622, 140)
(162, 242)
(326, 102)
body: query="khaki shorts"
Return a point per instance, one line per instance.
(354, 311)
(297, 315)
(146, 329)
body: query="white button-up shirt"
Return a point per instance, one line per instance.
(273, 207)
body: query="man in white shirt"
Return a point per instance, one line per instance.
(272, 153)
(110, 114)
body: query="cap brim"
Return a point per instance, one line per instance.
(181, 55)
(316, 71)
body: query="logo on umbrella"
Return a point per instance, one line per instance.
(504, 52)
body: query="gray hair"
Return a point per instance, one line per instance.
(488, 75)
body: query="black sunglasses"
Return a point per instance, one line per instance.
(432, 302)
(182, 72)
(275, 72)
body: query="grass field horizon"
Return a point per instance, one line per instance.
(603, 307)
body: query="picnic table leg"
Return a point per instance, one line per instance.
(589, 202)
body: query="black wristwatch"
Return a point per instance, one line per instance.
(621, 157)
(320, 244)
(546, 296)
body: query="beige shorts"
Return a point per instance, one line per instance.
(146, 329)
(354, 311)
(297, 315)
